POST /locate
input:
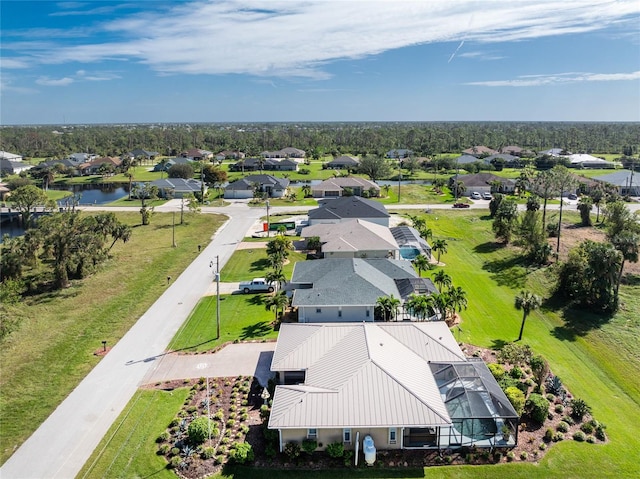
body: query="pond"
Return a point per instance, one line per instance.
(95, 194)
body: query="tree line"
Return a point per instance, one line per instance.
(319, 139)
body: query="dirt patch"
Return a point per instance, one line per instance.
(252, 245)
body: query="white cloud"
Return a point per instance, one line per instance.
(483, 56)
(13, 63)
(558, 79)
(46, 81)
(298, 39)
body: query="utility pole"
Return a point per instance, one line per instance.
(217, 297)
(268, 222)
(173, 231)
(399, 177)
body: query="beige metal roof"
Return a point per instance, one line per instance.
(361, 374)
(352, 235)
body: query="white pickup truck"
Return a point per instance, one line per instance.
(256, 285)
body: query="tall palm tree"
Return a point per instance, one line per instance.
(383, 303)
(306, 191)
(394, 304)
(440, 247)
(457, 300)
(418, 305)
(277, 302)
(421, 263)
(442, 279)
(527, 302)
(276, 276)
(426, 233)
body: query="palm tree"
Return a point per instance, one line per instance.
(277, 302)
(129, 175)
(421, 263)
(442, 279)
(426, 233)
(276, 276)
(394, 304)
(527, 302)
(306, 191)
(383, 303)
(457, 300)
(440, 247)
(418, 305)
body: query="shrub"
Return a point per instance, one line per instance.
(550, 397)
(335, 449)
(579, 409)
(175, 462)
(264, 412)
(562, 427)
(524, 455)
(559, 408)
(558, 436)
(231, 423)
(554, 385)
(569, 420)
(232, 408)
(163, 437)
(292, 450)
(164, 449)
(537, 407)
(600, 434)
(497, 370)
(270, 450)
(174, 422)
(448, 459)
(591, 439)
(548, 434)
(208, 452)
(515, 354)
(199, 430)
(219, 459)
(309, 445)
(516, 372)
(542, 446)
(510, 456)
(517, 399)
(587, 427)
(242, 453)
(497, 456)
(579, 436)
(175, 451)
(348, 458)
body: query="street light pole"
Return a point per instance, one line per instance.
(217, 297)
(173, 232)
(268, 222)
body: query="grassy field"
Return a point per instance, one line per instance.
(246, 264)
(242, 317)
(52, 351)
(153, 410)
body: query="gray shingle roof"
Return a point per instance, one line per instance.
(247, 182)
(349, 207)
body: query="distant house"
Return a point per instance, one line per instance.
(165, 165)
(197, 154)
(268, 164)
(399, 153)
(467, 160)
(334, 187)
(347, 290)
(482, 183)
(347, 208)
(555, 152)
(288, 152)
(479, 150)
(271, 186)
(403, 385)
(5, 155)
(230, 154)
(178, 187)
(410, 243)
(580, 160)
(354, 239)
(141, 153)
(94, 167)
(509, 160)
(343, 162)
(79, 158)
(9, 167)
(625, 181)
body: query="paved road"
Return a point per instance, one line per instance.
(63, 443)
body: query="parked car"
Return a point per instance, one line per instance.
(476, 196)
(256, 285)
(486, 196)
(572, 197)
(461, 205)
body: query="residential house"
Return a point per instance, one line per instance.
(555, 152)
(483, 183)
(343, 162)
(197, 154)
(581, 160)
(346, 290)
(164, 165)
(5, 155)
(347, 208)
(288, 152)
(410, 243)
(355, 238)
(466, 160)
(268, 164)
(406, 385)
(479, 150)
(626, 182)
(142, 153)
(246, 187)
(230, 154)
(78, 158)
(334, 187)
(95, 166)
(508, 160)
(178, 187)
(10, 167)
(399, 153)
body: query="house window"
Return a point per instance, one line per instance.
(368, 313)
(339, 313)
(318, 310)
(312, 433)
(392, 435)
(346, 436)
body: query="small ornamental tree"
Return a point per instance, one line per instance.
(516, 398)
(537, 407)
(242, 453)
(198, 430)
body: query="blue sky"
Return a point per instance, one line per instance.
(330, 60)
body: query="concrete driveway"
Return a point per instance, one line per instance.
(243, 359)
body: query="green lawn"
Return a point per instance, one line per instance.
(52, 351)
(246, 264)
(242, 316)
(129, 448)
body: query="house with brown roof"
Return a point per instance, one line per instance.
(343, 162)
(288, 152)
(197, 154)
(479, 150)
(94, 166)
(485, 183)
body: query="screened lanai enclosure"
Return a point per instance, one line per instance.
(480, 413)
